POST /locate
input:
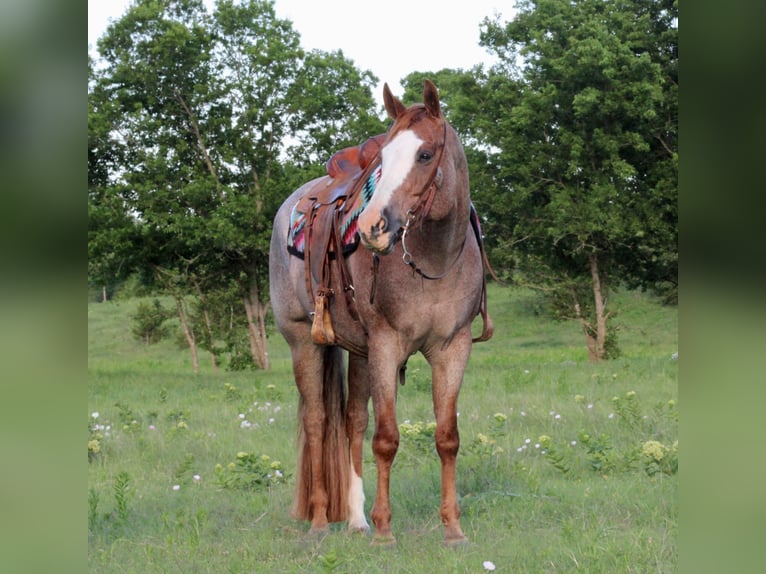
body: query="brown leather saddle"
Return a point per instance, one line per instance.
(323, 228)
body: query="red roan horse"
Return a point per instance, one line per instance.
(420, 212)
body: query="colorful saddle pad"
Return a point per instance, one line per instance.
(348, 216)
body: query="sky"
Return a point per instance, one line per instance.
(402, 36)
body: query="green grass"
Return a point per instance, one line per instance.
(587, 506)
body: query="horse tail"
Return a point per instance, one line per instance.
(335, 447)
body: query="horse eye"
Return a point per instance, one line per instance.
(425, 157)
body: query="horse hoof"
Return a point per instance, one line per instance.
(364, 530)
(386, 541)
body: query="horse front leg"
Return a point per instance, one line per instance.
(383, 371)
(447, 378)
(357, 418)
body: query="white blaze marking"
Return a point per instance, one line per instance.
(356, 519)
(398, 158)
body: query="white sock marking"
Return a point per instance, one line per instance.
(356, 519)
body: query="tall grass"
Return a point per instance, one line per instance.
(558, 469)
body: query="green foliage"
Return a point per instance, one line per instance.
(573, 156)
(220, 326)
(93, 500)
(600, 452)
(231, 392)
(628, 409)
(250, 472)
(552, 454)
(122, 494)
(329, 562)
(659, 457)
(149, 322)
(184, 469)
(417, 440)
(130, 422)
(96, 434)
(572, 299)
(486, 445)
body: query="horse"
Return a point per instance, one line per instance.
(415, 285)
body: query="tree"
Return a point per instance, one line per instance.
(148, 322)
(330, 108)
(203, 108)
(586, 148)
(110, 228)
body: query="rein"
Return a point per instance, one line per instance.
(407, 256)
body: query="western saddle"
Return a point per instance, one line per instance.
(328, 211)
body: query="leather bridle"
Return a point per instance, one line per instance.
(420, 211)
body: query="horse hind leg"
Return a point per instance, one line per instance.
(357, 419)
(323, 461)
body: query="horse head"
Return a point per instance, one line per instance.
(411, 169)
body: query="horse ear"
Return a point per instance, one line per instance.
(431, 99)
(394, 107)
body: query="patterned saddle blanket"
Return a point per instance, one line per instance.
(352, 181)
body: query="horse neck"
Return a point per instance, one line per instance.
(440, 240)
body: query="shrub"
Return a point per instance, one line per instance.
(148, 322)
(251, 472)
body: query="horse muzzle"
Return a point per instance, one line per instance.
(380, 236)
(382, 243)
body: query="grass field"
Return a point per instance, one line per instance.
(565, 466)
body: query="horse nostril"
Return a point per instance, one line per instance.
(379, 227)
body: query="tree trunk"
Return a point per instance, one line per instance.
(256, 326)
(587, 329)
(208, 326)
(188, 333)
(214, 361)
(598, 299)
(103, 293)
